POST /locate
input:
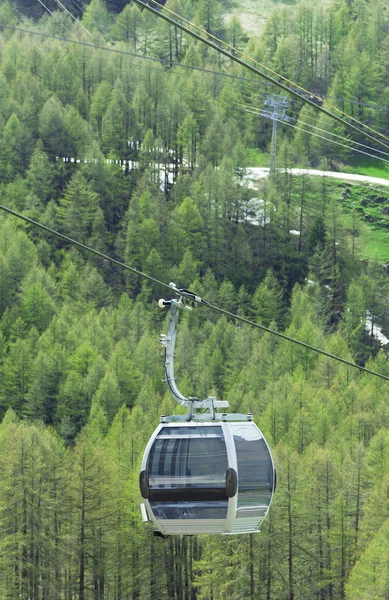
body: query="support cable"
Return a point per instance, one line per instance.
(73, 17)
(322, 137)
(164, 61)
(81, 245)
(294, 114)
(49, 11)
(260, 112)
(127, 53)
(232, 56)
(192, 297)
(46, 8)
(154, 59)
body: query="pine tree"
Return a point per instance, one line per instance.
(78, 209)
(268, 301)
(52, 128)
(40, 175)
(128, 25)
(15, 149)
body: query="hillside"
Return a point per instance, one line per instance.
(106, 139)
(253, 14)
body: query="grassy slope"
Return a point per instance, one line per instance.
(371, 203)
(254, 13)
(367, 203)
(367, 166)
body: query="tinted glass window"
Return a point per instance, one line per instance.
(255, 468)
(191, 431)
(190, 510)
(184, 462)
(190, 467)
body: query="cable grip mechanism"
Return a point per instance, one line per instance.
(198, 410)
(186, 296)
(188, 301)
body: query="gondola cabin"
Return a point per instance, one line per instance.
(206, 478)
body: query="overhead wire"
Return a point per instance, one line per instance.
(297, 118)
(254, 110)
(280, 120)
(80, 8)
(233, 57)
(262, 65)
(247, 80)
(189, 295)
(184, 293)
(320, 98)
(52, 14)
(45, 7)
(73, 17)
(131, 54)
(367, 104)
(81, 245)
(209, 71)
(294, 111)
(100, 30)
(170, 63)
(342, 137)
(295, 114)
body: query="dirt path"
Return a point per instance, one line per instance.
(255, 173)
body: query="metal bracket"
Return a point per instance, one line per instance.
(210, 405)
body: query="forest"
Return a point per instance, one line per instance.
(122, 132)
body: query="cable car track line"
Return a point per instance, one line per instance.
(132, 54)
(49, 11)
(351, 148)
(296, 85)
(244, 55)
(279, 84)
(73, 17)
(189, 295)
(261, 112)
(311, 94)
(175, 64)
(81, 245)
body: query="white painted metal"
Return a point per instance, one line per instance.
(240, 518)
(173, 487)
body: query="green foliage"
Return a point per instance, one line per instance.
(15, 149)
(268, 302)
(80, 375)
(128, 24)
(52, 127)
(370, 578)
(96, 17)
(208, 16)
(79, 209)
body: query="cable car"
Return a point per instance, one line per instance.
(207, 478)
(206, 472)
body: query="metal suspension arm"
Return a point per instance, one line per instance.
(169, 342)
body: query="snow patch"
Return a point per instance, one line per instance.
(377, 331)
